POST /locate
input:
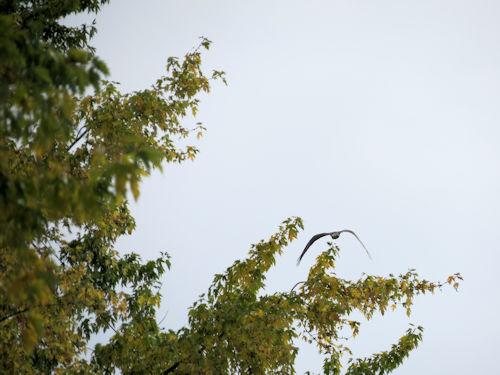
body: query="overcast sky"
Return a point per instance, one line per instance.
(377, 116)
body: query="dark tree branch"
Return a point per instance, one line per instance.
(80, 136)
(172, 368)
(13, 314)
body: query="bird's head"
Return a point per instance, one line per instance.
(335, 235)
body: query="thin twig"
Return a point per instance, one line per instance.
(300, 282)
(77, 139)
(13, 314)
(162, 319)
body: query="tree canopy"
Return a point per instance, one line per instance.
(68, 159)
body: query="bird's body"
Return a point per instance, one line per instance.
(334, 236)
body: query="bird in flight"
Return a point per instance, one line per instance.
(334, 236)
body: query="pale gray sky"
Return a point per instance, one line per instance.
(380, 116)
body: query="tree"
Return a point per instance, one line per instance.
(234, 330)
(68, 161)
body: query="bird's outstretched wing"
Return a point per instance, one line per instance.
(311, 241)
(362, 244)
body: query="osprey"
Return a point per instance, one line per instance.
(334, 236)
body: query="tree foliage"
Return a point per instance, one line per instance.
(68, 159)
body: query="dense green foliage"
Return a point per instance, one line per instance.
(67, 162)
